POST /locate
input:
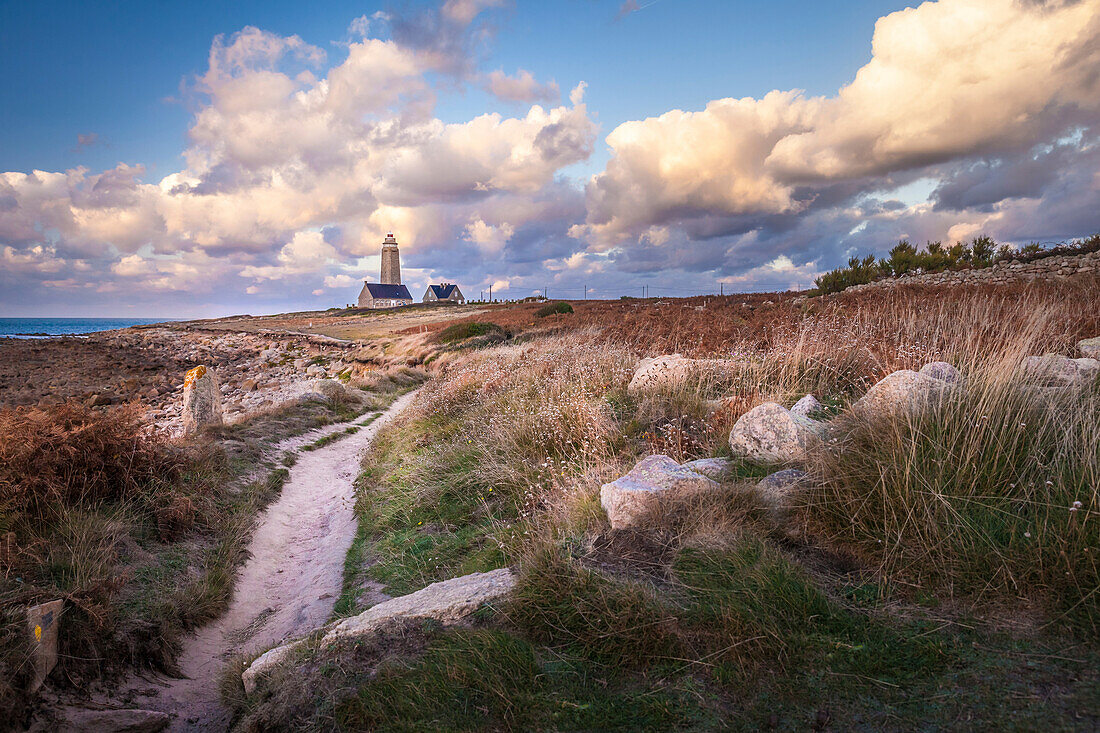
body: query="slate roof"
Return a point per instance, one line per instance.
(388, 291)
(443, 291)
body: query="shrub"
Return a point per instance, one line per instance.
(462, 331)
(554, 309)
(70, 453)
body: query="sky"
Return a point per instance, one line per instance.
(200, 159)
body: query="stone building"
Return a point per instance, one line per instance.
(443, 291)
(389, 293)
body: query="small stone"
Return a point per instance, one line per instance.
(713, 468)
(902, 389)
(633, 498)
(941, 370)
(770, 433)
(1089, 348)
(807, 406)
(326, 389)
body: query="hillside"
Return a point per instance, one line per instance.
(929, 564)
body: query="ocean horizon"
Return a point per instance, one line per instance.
(48, 327)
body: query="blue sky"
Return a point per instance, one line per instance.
(115, 68)
(621, 189)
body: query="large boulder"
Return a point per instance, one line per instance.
(941, 370)
(904, 389)
(806, 406)
(770, 433)
(1089, 348)
(448, 602)
(663, 372)
(1058, 370)
(633, 498)
(202, 400)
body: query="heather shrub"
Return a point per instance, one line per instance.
(553, 309)
(68, 453)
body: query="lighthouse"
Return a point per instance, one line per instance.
(389, 293)
(391, 261)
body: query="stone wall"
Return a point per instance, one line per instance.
(1002, 273)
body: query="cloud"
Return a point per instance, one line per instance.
(523, 87)
(948, 83)
(488, 237)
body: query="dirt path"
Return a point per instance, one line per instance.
(289, 584)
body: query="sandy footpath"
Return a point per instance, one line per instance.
(288, 586)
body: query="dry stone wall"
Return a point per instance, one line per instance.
(1002, 273)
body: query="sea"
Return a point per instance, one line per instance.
(47, 327)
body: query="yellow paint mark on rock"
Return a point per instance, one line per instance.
(194, 375)
(37, 632)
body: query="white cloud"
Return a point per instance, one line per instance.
(490, 239)
(947, 80)
(523, 87)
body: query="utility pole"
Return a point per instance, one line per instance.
(722, 288)
(490, 293)
(586, 292)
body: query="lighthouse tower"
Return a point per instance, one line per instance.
(391, 261)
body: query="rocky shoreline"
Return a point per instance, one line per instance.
(147, 365)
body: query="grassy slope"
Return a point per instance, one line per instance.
(712, 620)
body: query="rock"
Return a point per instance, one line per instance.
(42, 625)
(770, 433)
(776, 489)
(315, 370)
(632, 498)
(115, 721)
(249, 385)
(449, 602)
(1090, 348)
(269, 354)
(202, 400)
(1057, 370)
(713, 468)
(806, 406)
(902, 389)
(325, 389)
(662, 372)
(942, 371)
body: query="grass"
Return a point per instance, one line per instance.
(711, 617)
(990, 495)
(331, 438)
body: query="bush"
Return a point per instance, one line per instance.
(554, 309)
(70, 453)
(462, 331)
(905, 258)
